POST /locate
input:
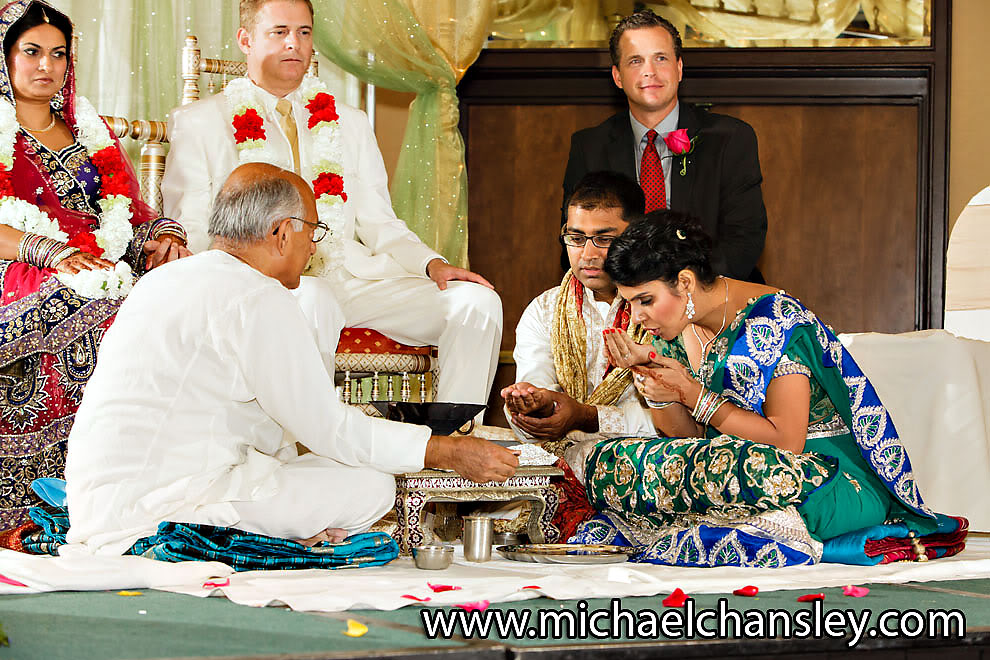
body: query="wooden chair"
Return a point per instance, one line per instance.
(369, 366)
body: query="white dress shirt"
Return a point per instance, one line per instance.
(375, 243)
(207, 378)
(534, 361)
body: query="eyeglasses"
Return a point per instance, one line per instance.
(578, 240)
(319, 232)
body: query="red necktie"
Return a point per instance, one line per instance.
(651, 175)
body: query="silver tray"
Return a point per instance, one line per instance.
(566, 553)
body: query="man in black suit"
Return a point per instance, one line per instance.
(718, 181)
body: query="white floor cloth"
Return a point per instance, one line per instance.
(498, 581)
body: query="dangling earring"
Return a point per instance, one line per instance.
(58, 101)
(689, 308)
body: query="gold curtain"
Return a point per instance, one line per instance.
(909, 19)
(420, 46)
(774, 19)
(563, 20)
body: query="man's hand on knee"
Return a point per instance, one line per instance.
(472, 458)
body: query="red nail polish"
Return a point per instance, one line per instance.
(652, 355)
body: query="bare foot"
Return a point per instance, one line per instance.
(330, 535)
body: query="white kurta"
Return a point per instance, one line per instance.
(534, 361)
(379, 273)
(206, 379)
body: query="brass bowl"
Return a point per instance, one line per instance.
(433, 557)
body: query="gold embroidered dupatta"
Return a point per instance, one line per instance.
(568, 344)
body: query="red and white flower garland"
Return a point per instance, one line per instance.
(250, 137)
(115, 232)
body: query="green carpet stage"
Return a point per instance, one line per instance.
(156, 624)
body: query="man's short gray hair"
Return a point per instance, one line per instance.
(247, 213)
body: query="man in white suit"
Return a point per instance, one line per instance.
(382, 274)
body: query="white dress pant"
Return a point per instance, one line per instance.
(464, 322)
(316, 493)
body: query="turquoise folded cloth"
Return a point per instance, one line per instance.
(242, 551)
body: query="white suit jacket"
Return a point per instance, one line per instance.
(375, 244)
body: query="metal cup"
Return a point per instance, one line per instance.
(478, 538)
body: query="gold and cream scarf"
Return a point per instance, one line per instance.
(569, 345)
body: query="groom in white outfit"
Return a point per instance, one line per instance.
(382, 274)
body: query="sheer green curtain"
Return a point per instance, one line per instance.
(419, 47)
(129, 51)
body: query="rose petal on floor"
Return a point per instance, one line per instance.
(808, 598)
(676, 599)
(14, 583)
(355, 628)
(855, 592)
(416, 598)
(480, 605)
(440, 588)
(749, 591)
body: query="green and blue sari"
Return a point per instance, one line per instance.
(725, 501)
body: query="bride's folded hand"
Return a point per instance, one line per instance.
(650, 383)
(676, 378)
(622, 350)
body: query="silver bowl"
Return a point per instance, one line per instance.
(433, 557)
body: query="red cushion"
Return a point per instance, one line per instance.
(365, 340)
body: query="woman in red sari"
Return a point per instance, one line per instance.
(74, 234)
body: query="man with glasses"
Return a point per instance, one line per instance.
(209, 377)
(384, 277)
(563, 380)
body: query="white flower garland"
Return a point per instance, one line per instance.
(325, 143)
(115, 231)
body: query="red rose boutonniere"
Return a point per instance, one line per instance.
(248, 126)
(322, 108)
(680, 145)
(86, 242)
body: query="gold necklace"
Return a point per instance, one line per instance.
(41, 130)
(725, 309)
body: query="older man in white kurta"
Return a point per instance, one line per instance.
(380, 271)
(207, 379)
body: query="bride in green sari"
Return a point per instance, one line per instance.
(774, 448)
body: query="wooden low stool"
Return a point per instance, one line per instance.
(414, 490)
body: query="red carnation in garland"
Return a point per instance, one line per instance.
(322, 108)
(329, 183)
(248, 126)
(86, 242)
(6, 187)
(115, 180)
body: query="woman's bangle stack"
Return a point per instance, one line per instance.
(42, 252)
(708, 404)
(658, 405)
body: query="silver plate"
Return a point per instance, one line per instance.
(566, 553)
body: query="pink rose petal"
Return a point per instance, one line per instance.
(855, 592)
(14, 583)
(480, 605)
(440, 588)
(416, 598)
(213, 584)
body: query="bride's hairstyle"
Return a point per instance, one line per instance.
(658, 247)
(38, 14)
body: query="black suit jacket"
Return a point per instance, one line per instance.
(721, 186)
